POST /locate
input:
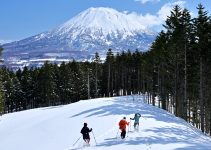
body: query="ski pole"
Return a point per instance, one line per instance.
(144, 117)
(94, 138)
(77, 140)
(127, 131)
(117, 133)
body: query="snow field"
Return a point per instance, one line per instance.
(58, 127)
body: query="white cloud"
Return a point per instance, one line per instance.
(147, 20)
(158, 19)
(166, 9)
(145, 1)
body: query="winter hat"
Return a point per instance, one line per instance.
(85, 124)
(124, 117)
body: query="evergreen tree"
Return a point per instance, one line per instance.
(1, 95)
(17, 94)
(11, 87)
(107, 73)
(78, 82)
(209, 73)
(202, 28)
(64, 84)
(26, 86)
(97, 62)
(46, 85)
(36, 97)
(1, 89)
(178, 25)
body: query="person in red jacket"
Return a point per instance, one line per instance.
(122, 126)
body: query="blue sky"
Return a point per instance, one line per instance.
(23, 18)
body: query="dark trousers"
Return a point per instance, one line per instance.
(123, 133)
(136, 125)
(86, 138)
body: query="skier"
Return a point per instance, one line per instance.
(85, 132)
(122, 127)
(136, 122)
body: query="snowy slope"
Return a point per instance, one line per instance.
(108, 20)
(57, 128)
(5, 41)
(93, 30)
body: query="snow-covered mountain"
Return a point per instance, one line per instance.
(5, 41)
(58, 127)
(93, 30)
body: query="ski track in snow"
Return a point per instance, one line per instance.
(58, 127)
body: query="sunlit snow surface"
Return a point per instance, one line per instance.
(107, 19)
(57, 128)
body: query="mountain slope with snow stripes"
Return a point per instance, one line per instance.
(107, 19)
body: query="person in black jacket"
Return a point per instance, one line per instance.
(85, 132)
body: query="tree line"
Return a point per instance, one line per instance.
(181, 67)
(175, 74)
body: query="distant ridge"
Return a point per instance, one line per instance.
(93, 30)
